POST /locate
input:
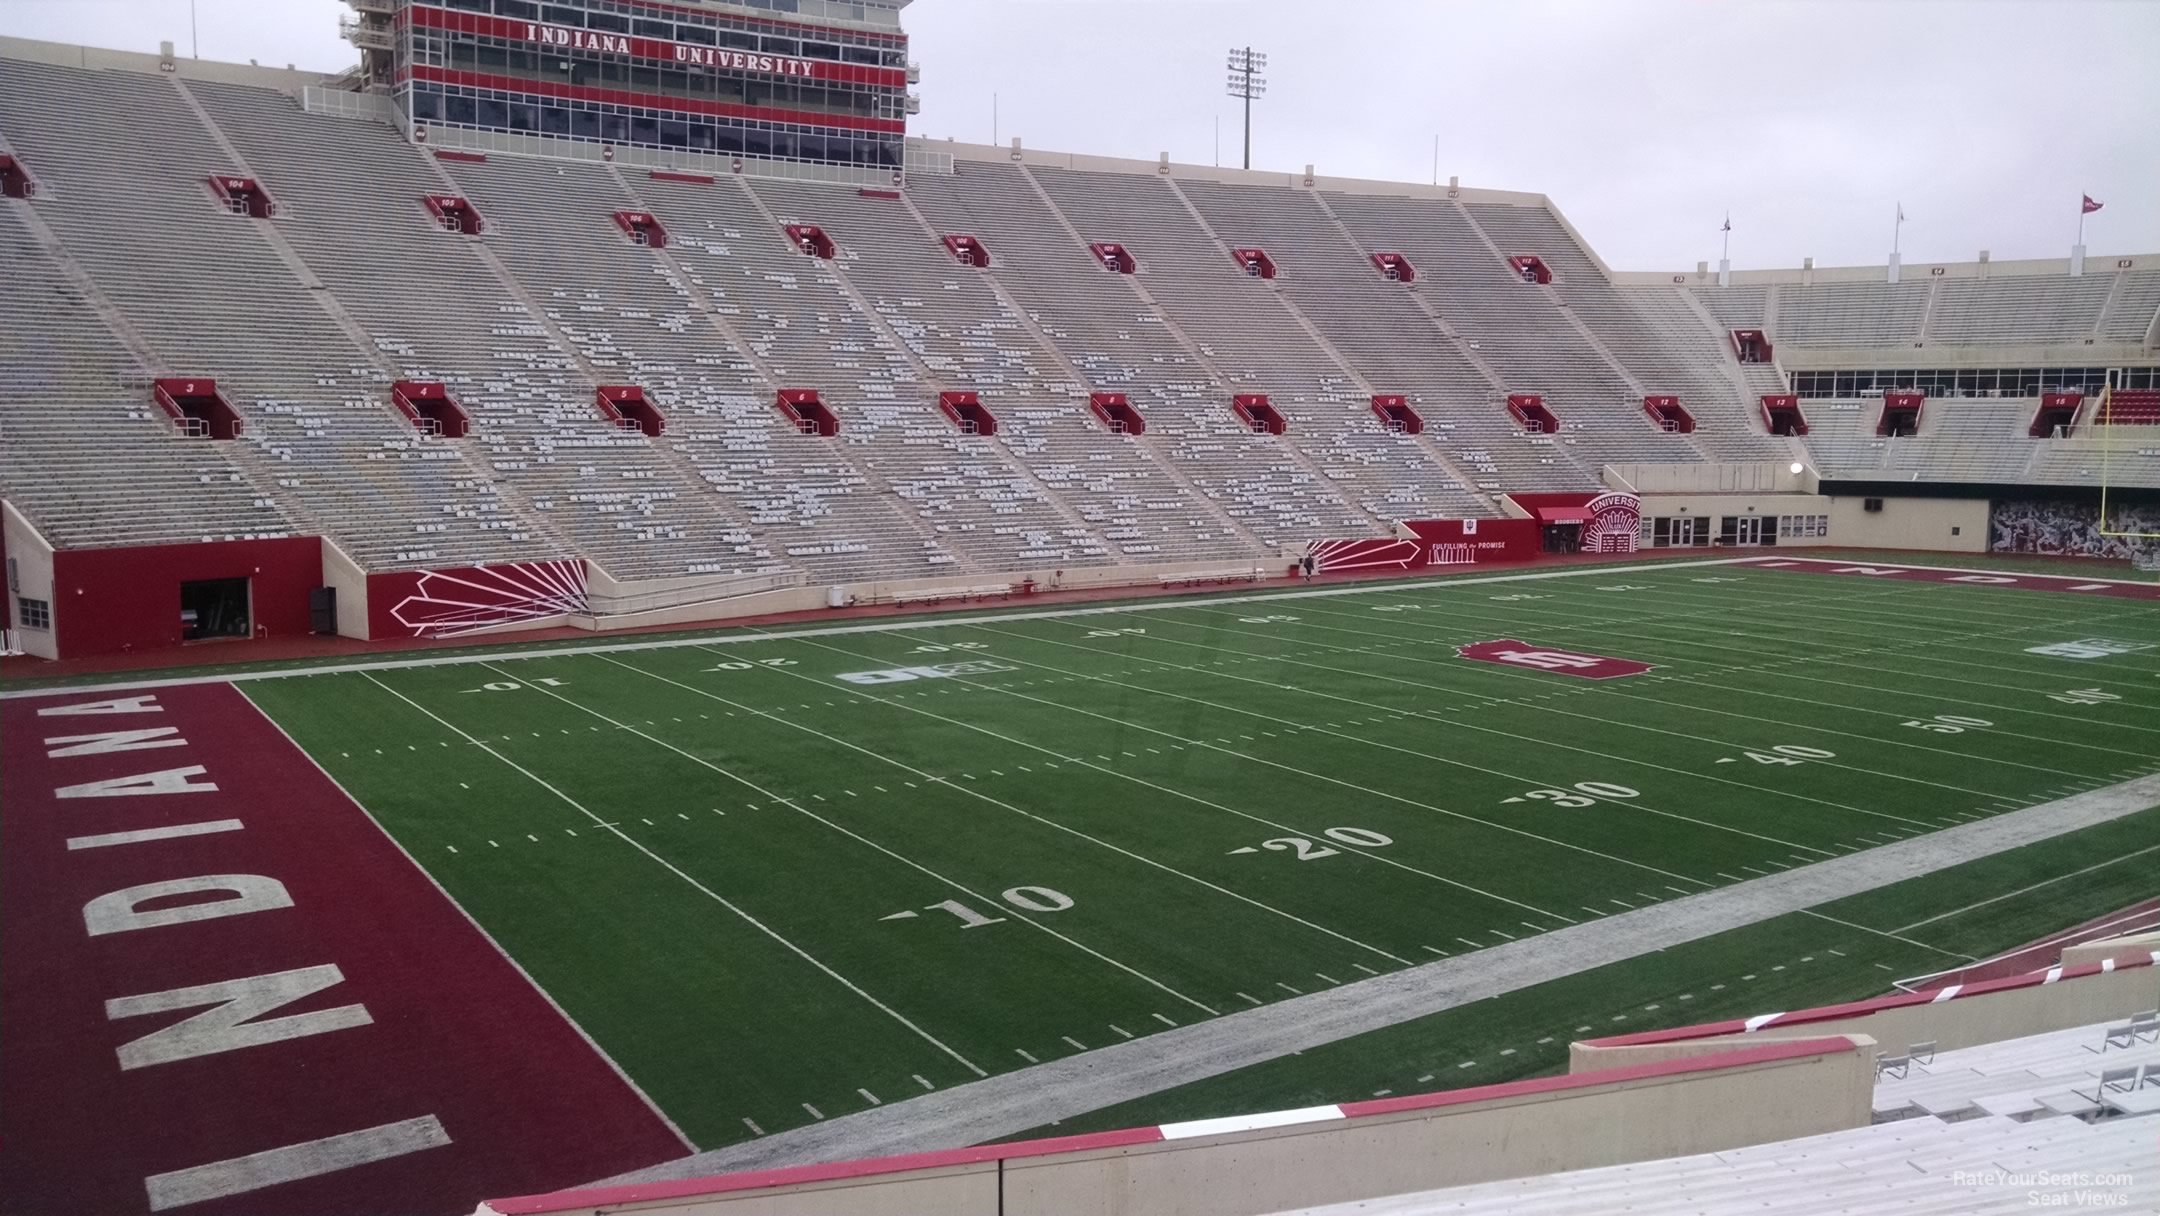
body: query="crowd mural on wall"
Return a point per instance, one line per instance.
(2074, 529)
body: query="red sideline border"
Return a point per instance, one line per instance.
(1831, 1013)
(721, 1184)
(2013, 579)
(2013, 961)
(444, 1072)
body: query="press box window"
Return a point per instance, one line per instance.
(33, 614)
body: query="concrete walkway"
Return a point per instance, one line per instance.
(1013, 1102)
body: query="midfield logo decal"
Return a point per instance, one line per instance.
(2089, 648)
(939, 671)
(1513, 653)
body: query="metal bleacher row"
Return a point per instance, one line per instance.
(2009, 1126)
(125, 267)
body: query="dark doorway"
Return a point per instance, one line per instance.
(214, 608)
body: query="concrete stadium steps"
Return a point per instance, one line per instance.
(960, 491)
(1106, 331)
(960, 328)
(1244, 328)
(1512, 326)
(437, 312)
(202, 287)
(133, 269)
(1391, 343)
(87, 456)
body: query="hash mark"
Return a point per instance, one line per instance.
(1025, 1056)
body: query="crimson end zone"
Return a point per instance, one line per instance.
(228, 992)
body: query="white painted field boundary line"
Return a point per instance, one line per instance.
(744, 635)
(616, 831)
(1014, 1102)
(477, 927)
(1767, 558)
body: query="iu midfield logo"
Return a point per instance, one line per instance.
(1513, 653)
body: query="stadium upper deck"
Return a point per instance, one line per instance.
(722, 79)
(688, 373)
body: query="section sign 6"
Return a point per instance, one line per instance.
(1515, 653)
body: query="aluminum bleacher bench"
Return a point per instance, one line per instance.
(986, 591)
(2140, 1027)
(1241, 574)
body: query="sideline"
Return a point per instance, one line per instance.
(1015, 1102)
(748, 634)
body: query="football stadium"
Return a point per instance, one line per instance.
(596, 625)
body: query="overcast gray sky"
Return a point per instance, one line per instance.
(1645, 120)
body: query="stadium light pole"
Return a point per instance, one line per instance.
(1247, 83)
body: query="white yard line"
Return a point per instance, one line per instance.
(976, 793)
(1889, 934)
(1620, 720)
(798, 808)
(2027, 890)
(1180, 794)
(1568, 621)
(745, 635)
(1835, 603)
(1014, 1102)
(1785, 660)
(1888, 565)
(486, 936)
(1429, 716)
(1213, 746)
(671, 868)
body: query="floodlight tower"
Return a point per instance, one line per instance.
(1247, 83)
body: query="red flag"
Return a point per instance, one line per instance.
(2090, 205)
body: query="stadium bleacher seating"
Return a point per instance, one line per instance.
(1919, 1166)
(127, 269)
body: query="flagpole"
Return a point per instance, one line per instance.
(1725, 249)
(2081, 220)
(1897, 230)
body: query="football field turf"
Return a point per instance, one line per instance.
(780, 879)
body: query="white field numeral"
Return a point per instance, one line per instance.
(1584, 793)
(1948, 724)
(2084, 696)
(1113, 633)
(1265, 620)
(513, 685)
(1307, 849)
(1789, 753)
(1027, 899)
(936, 649)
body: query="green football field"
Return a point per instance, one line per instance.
(785, 877)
